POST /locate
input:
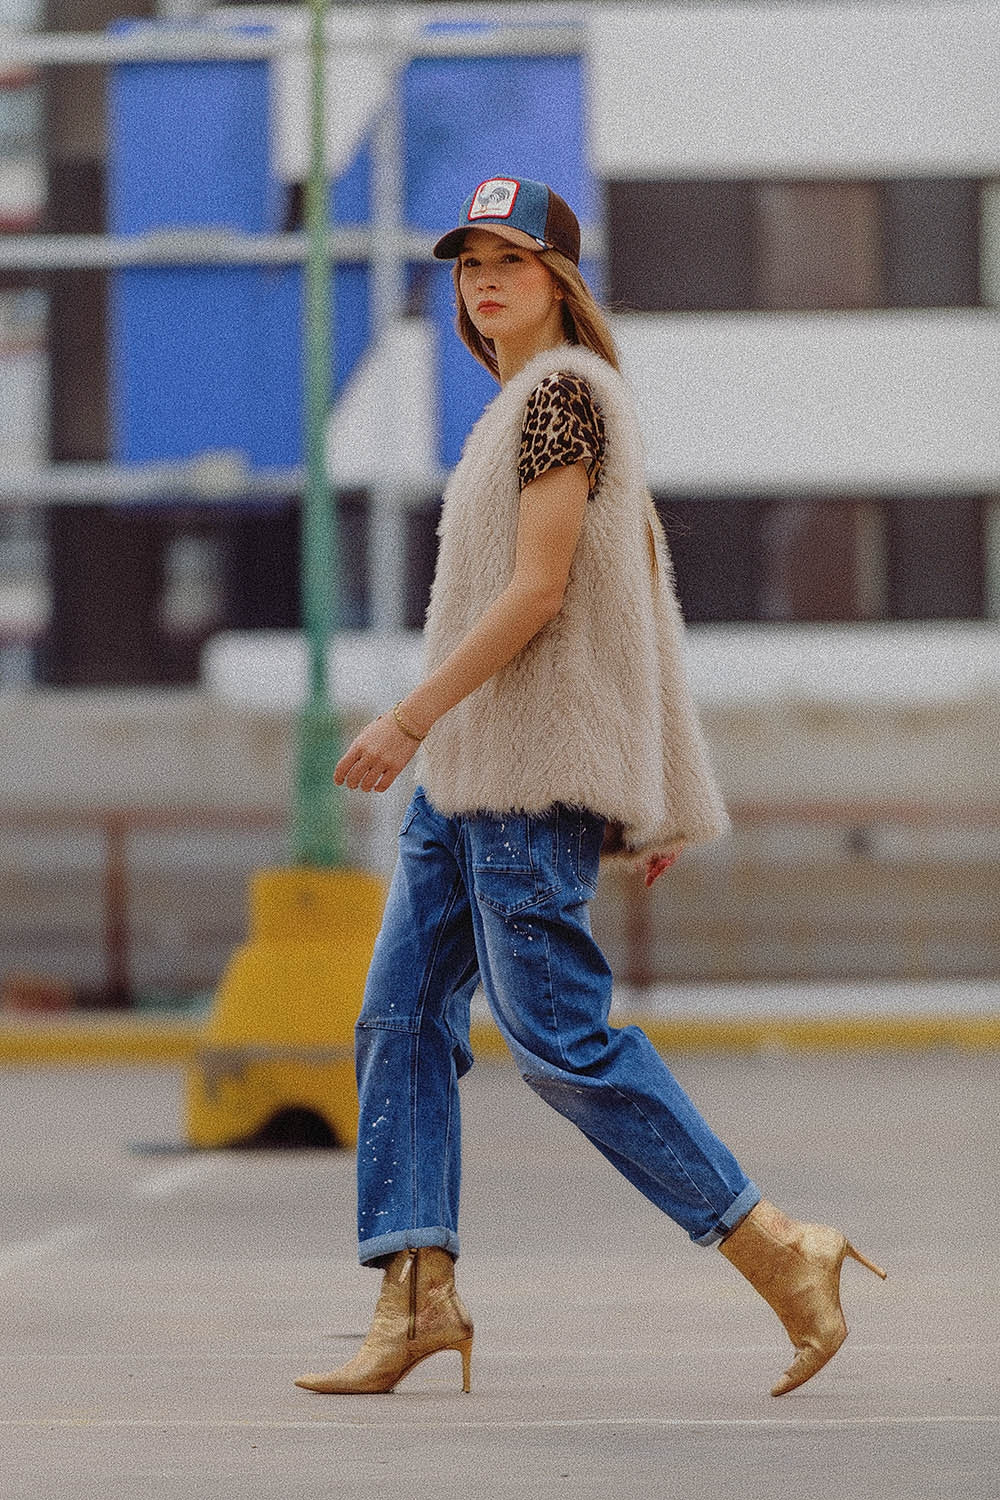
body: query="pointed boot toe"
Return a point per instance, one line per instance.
(419, 1313)
(796, 1269)
(347, 1382)
(808, 1362)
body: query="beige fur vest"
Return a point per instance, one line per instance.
(595, 710)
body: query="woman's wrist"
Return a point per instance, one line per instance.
(404, 725)
(409, 722)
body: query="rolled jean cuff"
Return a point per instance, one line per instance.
(737, 1210)
(408, 1239)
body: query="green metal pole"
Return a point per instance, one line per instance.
(316, 831)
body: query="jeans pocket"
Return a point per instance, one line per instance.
(412, 811)
(588, 847)
(511, 861)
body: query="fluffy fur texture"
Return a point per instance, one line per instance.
(595, 710)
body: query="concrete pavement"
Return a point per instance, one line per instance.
(158, 1303)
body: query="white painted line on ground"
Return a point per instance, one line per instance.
(162, 1185)
(426, 1425)
(241, 1354)
(24, 1252)
(173, 1179)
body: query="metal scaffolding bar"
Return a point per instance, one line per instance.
(317, 831)
(212, 43)
(218, 479)
(175, 247)
(206, 247)
(212, 479)
(224, 478)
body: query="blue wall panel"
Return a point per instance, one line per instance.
(466, 119)
(351, 194)
(470, 118)
(210, 357)
(207, 357)
(189, 146)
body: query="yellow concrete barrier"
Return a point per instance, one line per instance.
(280, 1034)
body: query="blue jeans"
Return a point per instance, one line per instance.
(506, 900)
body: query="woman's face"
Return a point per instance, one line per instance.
(508, 293)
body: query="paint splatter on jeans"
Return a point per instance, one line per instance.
(505, 900)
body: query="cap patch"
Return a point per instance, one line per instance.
(494, 199)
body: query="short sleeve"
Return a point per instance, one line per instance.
(562, 426)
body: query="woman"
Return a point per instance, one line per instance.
(555, 728)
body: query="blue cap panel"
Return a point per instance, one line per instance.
(518, 203)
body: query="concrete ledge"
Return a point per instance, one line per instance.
(111, 1039)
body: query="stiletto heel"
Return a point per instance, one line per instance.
(419, 1313)
(465, 1350)
(863, 1261)
(796, 1268)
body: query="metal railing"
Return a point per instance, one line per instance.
(117, 826)
(857, 821)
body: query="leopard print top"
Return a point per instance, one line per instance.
(562, 426)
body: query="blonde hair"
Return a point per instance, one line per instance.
(584, 322)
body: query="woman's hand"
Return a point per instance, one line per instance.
(657, 863)
(375, 757)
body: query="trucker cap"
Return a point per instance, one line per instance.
(527, 213)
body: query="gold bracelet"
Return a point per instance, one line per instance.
(404, 727)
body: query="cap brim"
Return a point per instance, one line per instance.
(449, 246)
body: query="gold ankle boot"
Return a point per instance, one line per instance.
(418, 1312)
(796, 1268)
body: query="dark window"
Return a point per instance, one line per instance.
(828, 559)
(713, 246)
(931, 230)
(421, 559)
(261, 567)
(353, 514)
(715, 546)
(935, 559)
(811, 568)
(679, 246)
